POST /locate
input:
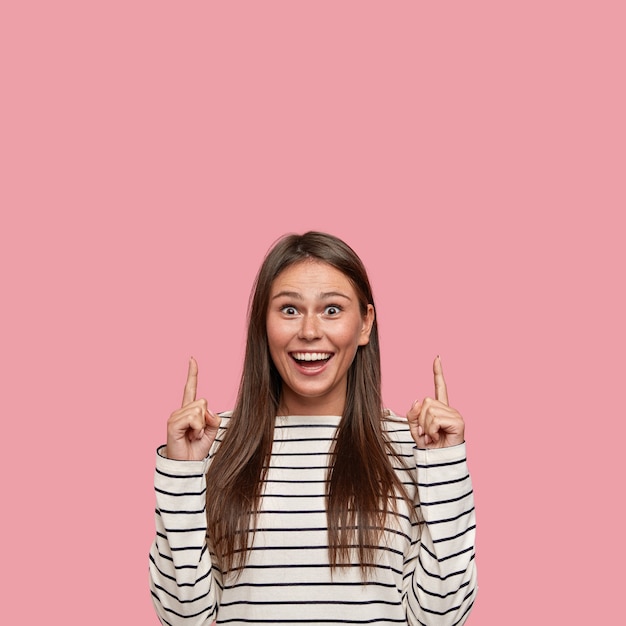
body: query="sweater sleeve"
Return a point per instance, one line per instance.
(183, 586)
(440, 572)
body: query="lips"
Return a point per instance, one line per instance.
(311, 356)
(311, 362)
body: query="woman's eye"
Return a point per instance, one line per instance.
(332, 310)
(289, 310)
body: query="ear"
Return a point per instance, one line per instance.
(368, 322)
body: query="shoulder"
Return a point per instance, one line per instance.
(393, 422)
(225, 417)
(396, 429)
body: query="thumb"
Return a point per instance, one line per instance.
(414, 411)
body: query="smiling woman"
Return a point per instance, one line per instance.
(309, 503)
(315, 324)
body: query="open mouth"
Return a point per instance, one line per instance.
(311, 359)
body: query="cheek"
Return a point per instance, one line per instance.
(350, 337)
(276, 336)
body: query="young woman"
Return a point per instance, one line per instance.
(309, 503)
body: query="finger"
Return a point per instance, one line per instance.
(212, 420)
(414, 411)
(413, 417)
(189, 395)
(444, 424)
(441, 391)
(191, 415)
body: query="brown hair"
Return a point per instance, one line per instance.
(362, 484)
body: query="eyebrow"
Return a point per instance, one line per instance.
(298, 296)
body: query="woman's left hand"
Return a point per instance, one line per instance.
(433, 423)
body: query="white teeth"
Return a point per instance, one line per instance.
(311, 356)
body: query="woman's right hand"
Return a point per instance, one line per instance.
(192, 429)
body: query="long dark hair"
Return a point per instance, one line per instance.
(362, 484)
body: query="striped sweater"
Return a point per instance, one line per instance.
(424, 574)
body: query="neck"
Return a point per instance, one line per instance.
(298, 405)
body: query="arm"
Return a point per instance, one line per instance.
(184, 589)
(440, 574)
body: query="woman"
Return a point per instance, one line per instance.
(309, 503)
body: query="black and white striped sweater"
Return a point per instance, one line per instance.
(425, 573)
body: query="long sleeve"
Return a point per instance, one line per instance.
(440, 572)
(183, 586)
(422, 578)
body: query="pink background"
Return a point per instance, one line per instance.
(473, 153)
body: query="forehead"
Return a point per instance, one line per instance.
(312, 277)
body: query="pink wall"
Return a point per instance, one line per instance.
(473, 153)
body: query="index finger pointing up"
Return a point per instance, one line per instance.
(189, 395)
(441, 391)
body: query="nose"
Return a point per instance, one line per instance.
(310, 328)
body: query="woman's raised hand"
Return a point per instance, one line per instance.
(192, 429)
(433, 423)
